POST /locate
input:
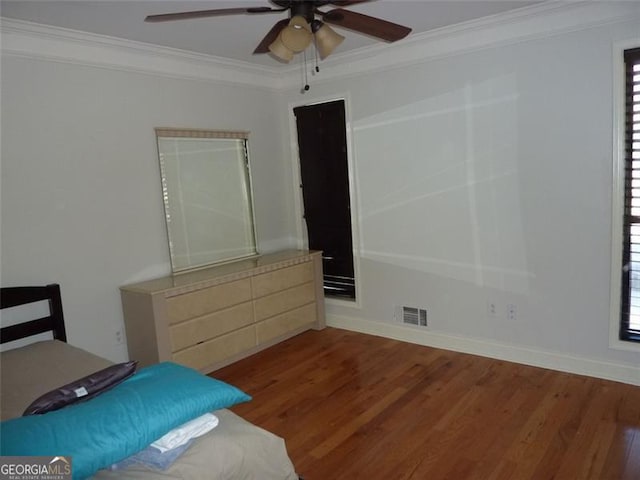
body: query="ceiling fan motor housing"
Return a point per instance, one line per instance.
(302, 8)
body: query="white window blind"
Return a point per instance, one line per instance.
(630, 311)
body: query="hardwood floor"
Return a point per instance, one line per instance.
(355, 406)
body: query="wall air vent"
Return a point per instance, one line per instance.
(413, 316)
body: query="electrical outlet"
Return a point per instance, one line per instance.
(120, 336)
(511, 312)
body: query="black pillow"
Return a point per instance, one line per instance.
(82, 389)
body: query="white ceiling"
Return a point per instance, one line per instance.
(235, 37)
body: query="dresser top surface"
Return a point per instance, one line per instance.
(217, 273)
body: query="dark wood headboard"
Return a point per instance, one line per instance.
(15, 296)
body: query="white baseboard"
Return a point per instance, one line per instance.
(513, 353)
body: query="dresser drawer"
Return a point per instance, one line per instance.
(210, 317)
(196, 304)
(218, 349)
(285, 323)
(284, 301)
(282, 279)
(191, 332)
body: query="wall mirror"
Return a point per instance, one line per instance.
(206, 188)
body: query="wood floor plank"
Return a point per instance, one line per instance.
(355, 406)
(632, 466)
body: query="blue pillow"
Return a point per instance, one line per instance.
(121, 421)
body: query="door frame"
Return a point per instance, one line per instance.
(354, 199)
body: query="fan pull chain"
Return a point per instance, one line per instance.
(306, 78)
(306, 86)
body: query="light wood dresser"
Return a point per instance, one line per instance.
(209, 318)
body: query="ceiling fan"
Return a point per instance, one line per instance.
(295, 34)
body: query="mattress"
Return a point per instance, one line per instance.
(235, 449)
(31, 371)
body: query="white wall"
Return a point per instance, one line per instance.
(81, 197)
(486, 177)
(480, 177)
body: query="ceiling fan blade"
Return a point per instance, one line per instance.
(167, 17)
(263, 46)
(373, 26)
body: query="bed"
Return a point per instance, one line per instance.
(234, 449)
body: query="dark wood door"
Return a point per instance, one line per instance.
(322, 144)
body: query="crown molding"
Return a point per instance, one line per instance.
(528, 23)
(45, 42)
(31, 40)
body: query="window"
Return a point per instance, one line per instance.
(630, 282)
(206, 190)
(324, 173)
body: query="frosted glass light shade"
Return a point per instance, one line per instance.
(297, 35)
(280, 50)
(327, 40)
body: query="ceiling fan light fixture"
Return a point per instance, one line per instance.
(280, 50)
(297, 35)
(327, 39)
(289, 36)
